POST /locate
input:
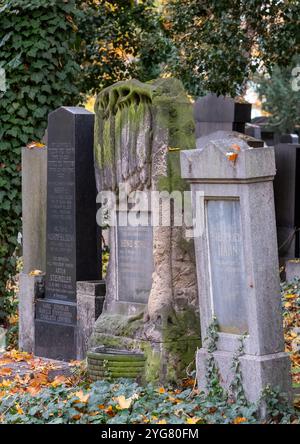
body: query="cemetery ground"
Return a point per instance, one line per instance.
(37, 390)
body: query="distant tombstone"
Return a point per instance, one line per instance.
(286, 192)
(237, 262)
(71, 240)
(219, 113)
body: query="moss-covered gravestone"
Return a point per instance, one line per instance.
(151, 299)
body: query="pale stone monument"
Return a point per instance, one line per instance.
(237, 262)
(34, 193)
(151, 289)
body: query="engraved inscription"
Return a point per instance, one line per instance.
(135, 263)
(60, 279)
(55, 312)
(227, 266)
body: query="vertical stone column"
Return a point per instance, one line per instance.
(237, 262)
(34, 197)
(90, 299)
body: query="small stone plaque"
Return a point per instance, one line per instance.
(135, 263)
(62, 313)
(227, 266)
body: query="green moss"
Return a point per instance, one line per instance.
(165, 362)
(128, 103)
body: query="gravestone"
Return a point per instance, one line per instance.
(151, 289)
(71, 240)
(134, 263)
(34, 196)
(237, 262)
(287, 192)
(213, 113)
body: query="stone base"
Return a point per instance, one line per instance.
(257, 372)
(62, 329)
(292, 270)
(166, 360)
(90, 300)
(29, 289)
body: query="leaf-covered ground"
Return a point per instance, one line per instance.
(34, 390)
(291, 324)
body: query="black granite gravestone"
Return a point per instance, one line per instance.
(218, 113)
(71, 242)
(286, 194)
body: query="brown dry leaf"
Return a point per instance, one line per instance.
(33, 390)
(59, 380)
(18, 356)
(6, 371)
(232, 156)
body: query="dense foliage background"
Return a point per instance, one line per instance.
(37, 40)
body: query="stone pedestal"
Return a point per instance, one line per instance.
(292, 270)
(30, 288)
(90, 299)
(237, 262)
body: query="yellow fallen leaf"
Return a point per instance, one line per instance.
(35, 273)
(193, 420)
(162, 421)
(19, 410)
(82, 397)
(32, 145)
(287, 304)
(239, 420)
(161, 390)
(124, 403)
(290, 296)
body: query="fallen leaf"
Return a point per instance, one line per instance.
(19, 410)
(6, 371)
(236, 147)
(232, 156)
(239, 420)
(35, 273)
(32, 145)
(82, 397)
(124, 403)
(193, 420)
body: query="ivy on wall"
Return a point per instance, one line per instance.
(37, 40)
